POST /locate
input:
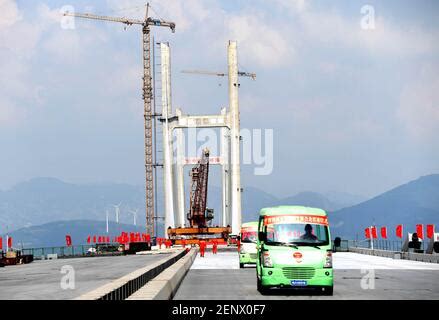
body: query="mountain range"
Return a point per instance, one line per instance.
(42, 203)
(416, 202)
(53, 234)
(44, 200)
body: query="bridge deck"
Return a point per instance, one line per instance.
(219, 277)
(41, 280)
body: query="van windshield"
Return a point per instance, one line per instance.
(304, 234)
(249, 236)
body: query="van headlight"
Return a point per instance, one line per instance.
(328, 260)
(266, 259)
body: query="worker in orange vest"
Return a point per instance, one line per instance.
(215, 247)
(202, 248)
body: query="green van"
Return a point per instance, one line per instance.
(294, 249)
(249, 238)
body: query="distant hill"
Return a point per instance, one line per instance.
(253, 200)
(416, 202)
(311, 199)
(45, 200)
(53, 234)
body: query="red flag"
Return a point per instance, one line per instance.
(68, 241)
(420, 231)
(94, 239)
(88, 239)
(430, 231)
(374, 232)
(1, 243)
(399, 231)
(9, 242)
(384, 232)
(367, 233)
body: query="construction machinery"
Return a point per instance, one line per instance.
(200, 217)
(146, 25)
(11, 258)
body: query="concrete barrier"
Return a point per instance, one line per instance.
(122, 288)
(165, 285)
(431, 258)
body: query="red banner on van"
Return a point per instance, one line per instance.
(303, 218)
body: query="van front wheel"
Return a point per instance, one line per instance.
(328, 291)
(262, 290)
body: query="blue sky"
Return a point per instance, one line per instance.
(352, 110)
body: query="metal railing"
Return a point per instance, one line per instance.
(73, 251)
(381, 244)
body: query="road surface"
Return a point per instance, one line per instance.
(41, 280)
(219, 277)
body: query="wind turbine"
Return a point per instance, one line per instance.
(106, 220)
(135, 216)
(117, 209)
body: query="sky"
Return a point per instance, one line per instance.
(352, 108)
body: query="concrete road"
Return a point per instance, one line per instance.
(356, 276)
(41, 280)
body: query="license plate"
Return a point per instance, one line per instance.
(299, 283)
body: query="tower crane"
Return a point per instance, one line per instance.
(220, 74)
(146, 24)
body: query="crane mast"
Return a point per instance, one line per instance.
(147, 98)
(198, 215)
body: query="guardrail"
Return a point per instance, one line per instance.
(431, 258)
(122, 288)
(390, 245)
(61, 252)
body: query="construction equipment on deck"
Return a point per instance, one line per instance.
(11, 258)
(199, 216)
(147, 97)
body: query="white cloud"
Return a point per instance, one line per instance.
(10, 113)
(295, 6)
(262, 44)
(10, 13)
(419, 105)
(346, 32)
